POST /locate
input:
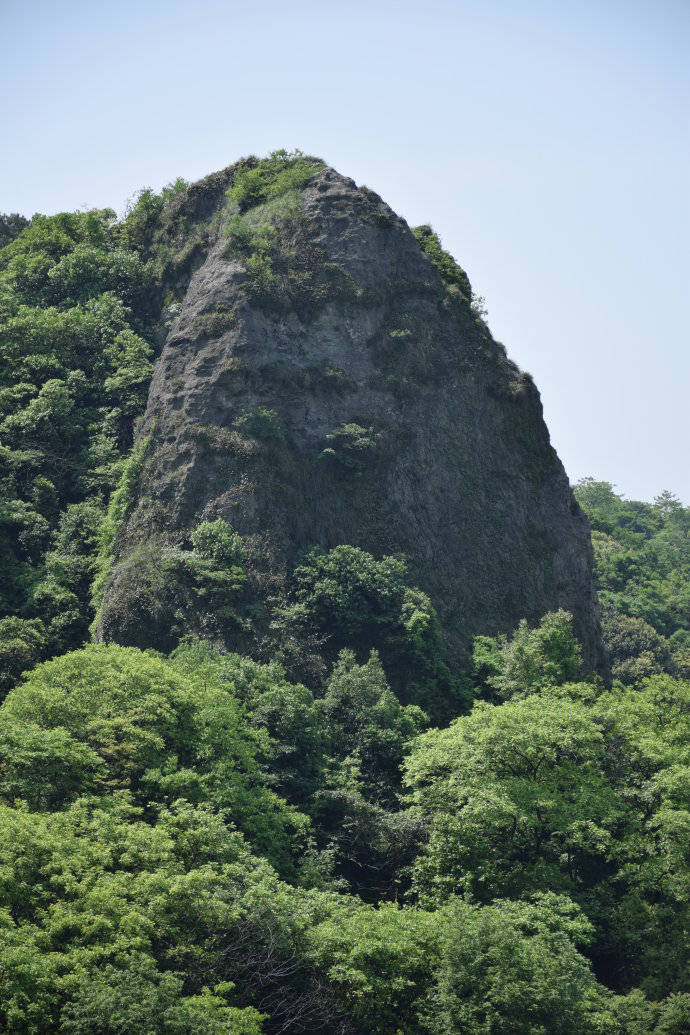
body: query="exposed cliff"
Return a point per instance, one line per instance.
(324, 380)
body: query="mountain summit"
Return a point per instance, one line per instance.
(327, 378)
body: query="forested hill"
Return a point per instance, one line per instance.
(327, 379)
(319, 392)
(347, 832)
(642, 574)
(79, 297)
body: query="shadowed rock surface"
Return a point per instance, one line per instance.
(339, 389)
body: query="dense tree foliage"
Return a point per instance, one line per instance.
(132, 723)
(642, 570)
(569, 791)
(185, 845)
(529, 660)
(11, 225)
(351, 600)
(76, 309)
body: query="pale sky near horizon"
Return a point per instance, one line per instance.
(546, 142)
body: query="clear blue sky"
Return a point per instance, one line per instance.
(547, 142)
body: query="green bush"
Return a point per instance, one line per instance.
(351, 446)
(118, 508)
(216, 541)
(530, 659)
(634, 648)
(293, 751)
(261, 423)
(160, 593)
(256, 182)
(11, 226)
(353, 601)
(22, 642)
(452, 275)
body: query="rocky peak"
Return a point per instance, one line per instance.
(327, 379)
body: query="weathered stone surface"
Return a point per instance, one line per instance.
(453, 469)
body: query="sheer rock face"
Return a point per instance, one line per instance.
(451, 465)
